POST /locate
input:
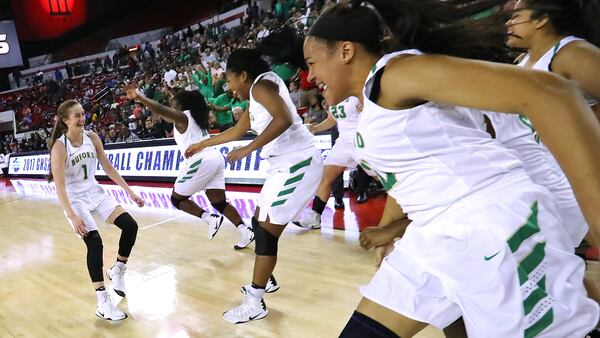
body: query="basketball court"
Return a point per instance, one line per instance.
(179, 282)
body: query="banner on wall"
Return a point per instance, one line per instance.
(10, 51)
(147, 161)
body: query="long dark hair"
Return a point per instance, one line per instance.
(195, 103)
(60, 128)
(570, 17)
(281, 46)
(432, 26)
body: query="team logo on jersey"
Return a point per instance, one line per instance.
(84, 155)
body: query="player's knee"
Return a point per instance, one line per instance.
(93, 241)
(265, 242)
(177, 199)
(129, 229)
(220, 206)
(126, 223)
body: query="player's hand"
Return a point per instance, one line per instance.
(381, 252)
(131, 91)
(238, 154)
(78, 225)
(375, 236)
(137, 199)
(193, 149)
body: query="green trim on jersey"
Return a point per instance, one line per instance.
(300, 165)
(286, 191)
(294, 179)
(526, 266)
(191, 171)
(528, 229)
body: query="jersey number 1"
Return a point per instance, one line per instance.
(84, 171)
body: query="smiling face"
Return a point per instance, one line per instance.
(329, 67)
(76, 118)
(238, 84)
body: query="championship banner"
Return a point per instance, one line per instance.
(161, 161)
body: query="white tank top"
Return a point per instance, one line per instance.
(80, 166)
(346, 115)
(295, 138)
(430, 156)
(192, 134)
(516, 132)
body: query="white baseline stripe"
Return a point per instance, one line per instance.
(161, 222)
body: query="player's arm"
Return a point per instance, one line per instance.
(326, 124)
(392, 225)
(568, 63)
(554, 105)
(167, 113)
(266, 93)
(57, 165)
(110, 171)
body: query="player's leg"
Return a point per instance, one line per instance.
(218, 200)
(330, 174)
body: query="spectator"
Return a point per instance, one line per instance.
(316, 114)
(222, 107)
(151, 131)
(309, 89)
(127, 136)
(111, 137)
(295, 93)
(212, 121)
(58, 75)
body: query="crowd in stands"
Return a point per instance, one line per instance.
(187, 60)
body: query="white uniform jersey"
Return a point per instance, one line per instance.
(430, 156)
(80, 167)
(516, 132)
(346, 115)
(295, 138)
(192, 134)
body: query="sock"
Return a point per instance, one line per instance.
(318, 205)
(256, 290)
(102, 295)
(121, 261)
(241, 223)
(205, 216)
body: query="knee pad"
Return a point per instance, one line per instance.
(220, 206)
(93, 241)
(129, 230)
(176, 200)
(265, 242)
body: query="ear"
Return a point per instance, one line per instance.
(348, 50)
(244, 76)
(540, 22)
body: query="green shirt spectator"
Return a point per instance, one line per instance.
(285, 71)
(222, 107)
(218, 89)
(205, 89)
